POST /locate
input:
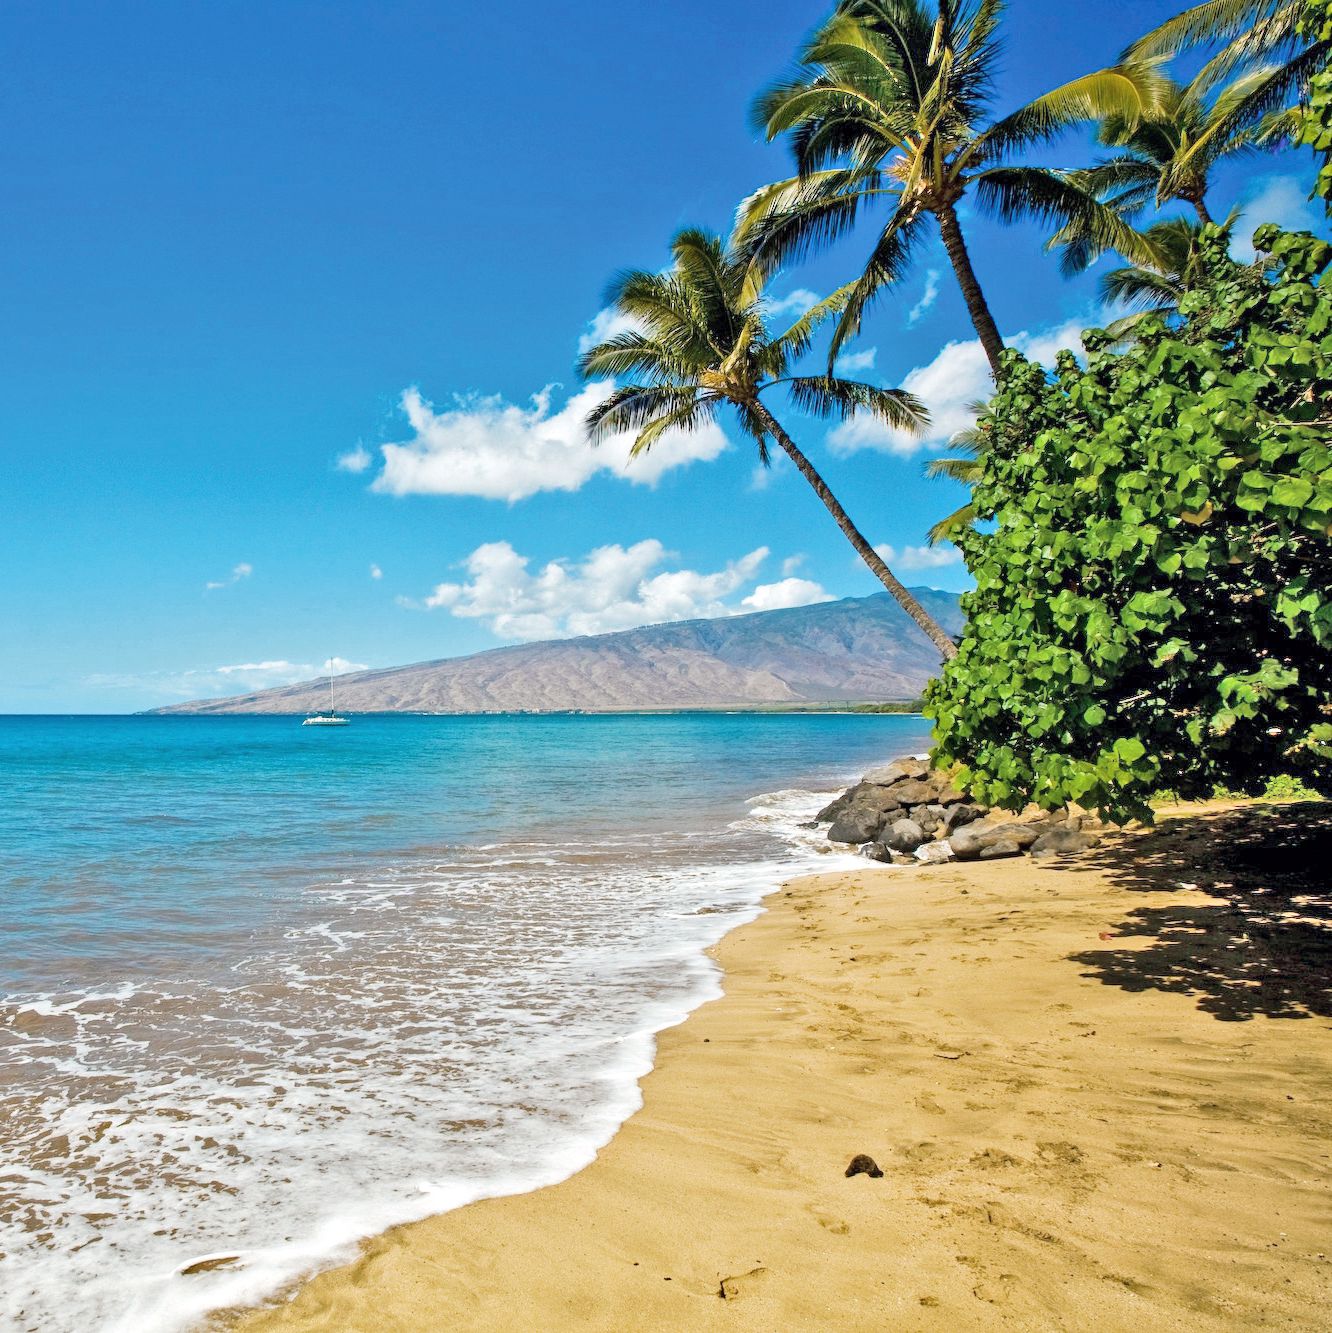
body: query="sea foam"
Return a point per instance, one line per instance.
(451, 1025)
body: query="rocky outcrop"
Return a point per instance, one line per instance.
(908, 813)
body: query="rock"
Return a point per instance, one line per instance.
(871, 795)
(900, 768)
(1062, 841)
(903, 835)
(928, 821)
(934, 853)
(864, 1164)
(964, 813)
(859, 823)
(965, 844)
(1000, 847)
(969, 843)
(835, 807)
(1022, 834)
(913, 791)
(875, 851)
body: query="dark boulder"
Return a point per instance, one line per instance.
(968, 843)
(871, 795)
(957, 816)
(1000, 847)
(903, 835)
(1062, 841)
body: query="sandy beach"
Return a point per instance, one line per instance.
(1100, 1093)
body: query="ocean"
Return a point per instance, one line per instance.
(265, 989)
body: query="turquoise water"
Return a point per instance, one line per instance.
(265, 988)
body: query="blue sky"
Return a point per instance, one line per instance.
(239, 238)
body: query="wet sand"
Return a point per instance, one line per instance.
(1100, 1093)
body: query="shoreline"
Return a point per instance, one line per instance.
(1061, 1147)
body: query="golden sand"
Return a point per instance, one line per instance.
(1100, 1093)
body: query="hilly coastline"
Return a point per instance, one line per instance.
(860, 649)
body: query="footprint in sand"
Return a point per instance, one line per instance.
(742, 1284)
(835, 1225)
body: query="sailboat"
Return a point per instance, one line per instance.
(329, 719)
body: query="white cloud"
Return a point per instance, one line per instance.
(234, 678)
(497, 450)
(355, 460)
(1280, 199)
(789, 592)
(794, 305)
(919, 557)
(958, 376)
(604, 325)
(927, 297)
(611, 588)
(376, 572)
(851, 362)
(238, 572)
(339, 666)
(791, 564)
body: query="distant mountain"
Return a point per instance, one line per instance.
(859, 649)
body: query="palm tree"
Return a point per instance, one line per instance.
(963, 466)
(701, 343)
(1169, 155)
(1247, 31)
(1158, 288)
(888, 107)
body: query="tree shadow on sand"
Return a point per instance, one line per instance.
(1266, 948)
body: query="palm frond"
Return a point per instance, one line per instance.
(633, 353)
(886, 264)
(795, 342)
(1048, 196)
(785, 221)
(633, 407)
(1128, 93)
(831, 396)
(1211, 21)
(688, 416)
(946, 529)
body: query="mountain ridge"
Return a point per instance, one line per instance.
(858, 649)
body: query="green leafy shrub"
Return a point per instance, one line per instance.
(1153, 602)
(1317, 128)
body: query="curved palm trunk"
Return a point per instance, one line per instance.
(936, 632)
(981, 319)
(1200, 207)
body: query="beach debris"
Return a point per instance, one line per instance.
(863, 1164)
(934, 853)
(208, 1264)
(949, 1055)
